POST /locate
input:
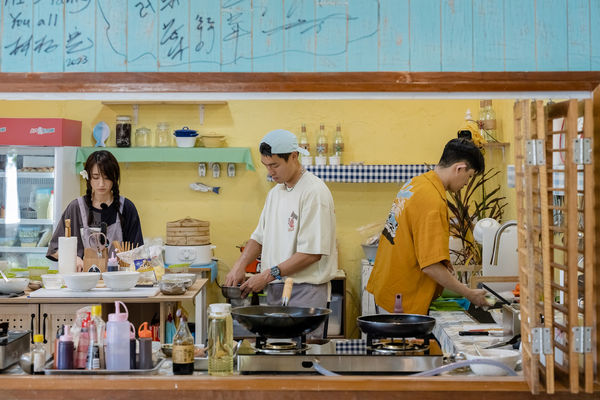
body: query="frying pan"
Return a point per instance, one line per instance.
(278, 321)
(396, 325)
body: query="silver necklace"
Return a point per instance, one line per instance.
(289, 189)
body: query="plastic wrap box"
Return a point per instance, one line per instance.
(40, 132)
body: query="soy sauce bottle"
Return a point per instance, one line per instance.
(183, 348)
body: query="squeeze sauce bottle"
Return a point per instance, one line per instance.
(117, 339)
(145, 335)
(65, 350)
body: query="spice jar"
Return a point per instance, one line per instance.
(143, 137)
(163, 134)
(123, 131)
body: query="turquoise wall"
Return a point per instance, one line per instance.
(299, 35)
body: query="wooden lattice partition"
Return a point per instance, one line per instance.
(555, 209)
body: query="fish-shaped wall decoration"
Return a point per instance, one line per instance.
(101, 133)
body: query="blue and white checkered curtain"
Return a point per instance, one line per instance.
(368, 173)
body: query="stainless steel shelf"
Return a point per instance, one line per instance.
(38, 175)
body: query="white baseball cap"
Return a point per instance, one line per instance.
(283, 142)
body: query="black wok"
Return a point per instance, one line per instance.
(396, 325)
(280, 322)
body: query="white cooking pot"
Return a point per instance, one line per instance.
(199, 255)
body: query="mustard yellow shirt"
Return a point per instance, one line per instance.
(415, 236)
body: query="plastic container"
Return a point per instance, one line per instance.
(52, 281)
(42, 198)
(334, 326)
(145, 335)
(370, 251)
(35, 273)
(117, 339)
(100, 327)
(220, 340)
(163, 135)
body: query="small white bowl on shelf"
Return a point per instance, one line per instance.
(185, 141)
(120, 280)
(81, 281)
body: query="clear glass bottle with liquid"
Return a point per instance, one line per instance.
(338, 144)
(38, 354)
(163, 134)
(183, 348)
(220, 340)
(303, 139)
(487, 120)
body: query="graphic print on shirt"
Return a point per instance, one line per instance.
(292, 222)
(389, 230)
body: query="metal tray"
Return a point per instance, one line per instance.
(51, 371)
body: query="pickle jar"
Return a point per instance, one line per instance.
(143, 137)
(123, 131)
(163, 134)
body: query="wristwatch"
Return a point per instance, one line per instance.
(276, 272)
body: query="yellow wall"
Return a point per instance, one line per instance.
(375, 132)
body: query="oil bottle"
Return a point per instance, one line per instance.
(220, 340)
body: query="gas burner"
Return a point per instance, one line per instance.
(400, 347)
(282, 348)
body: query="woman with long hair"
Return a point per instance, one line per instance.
(101, 209)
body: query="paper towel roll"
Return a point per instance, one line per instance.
(67, 255)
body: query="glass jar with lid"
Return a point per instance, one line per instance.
(163, 134)
(143, 137)
(123, 131)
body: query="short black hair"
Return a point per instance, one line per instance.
(462, 150)
(265, 150)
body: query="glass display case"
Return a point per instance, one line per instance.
(36, 184)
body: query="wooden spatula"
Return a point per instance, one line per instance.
(287, 291)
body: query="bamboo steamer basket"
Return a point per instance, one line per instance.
(188, 232)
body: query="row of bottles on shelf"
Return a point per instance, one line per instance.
(322, 153)
(143, 137)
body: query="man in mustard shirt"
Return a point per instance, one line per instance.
(413, 257)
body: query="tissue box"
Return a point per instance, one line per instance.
(40, 132)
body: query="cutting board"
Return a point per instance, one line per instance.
(96, 293)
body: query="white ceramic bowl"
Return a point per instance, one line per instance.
(52, 281)
(185, 141)
(14, 285)
(120, 280)
(81, 281)
(508, 357)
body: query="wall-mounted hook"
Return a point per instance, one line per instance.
(201, 169)
(231, 170)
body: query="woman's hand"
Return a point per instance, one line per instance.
(79, 265)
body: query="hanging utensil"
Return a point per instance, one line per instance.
(287, 291)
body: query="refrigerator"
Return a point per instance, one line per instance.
(36, 184)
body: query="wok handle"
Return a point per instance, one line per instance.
(287, 291)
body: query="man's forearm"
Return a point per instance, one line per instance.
(439, 273)
(296, 263)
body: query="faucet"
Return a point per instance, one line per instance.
(496, 245)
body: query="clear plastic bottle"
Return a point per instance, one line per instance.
(338, 144)
(38, 354)
(117, 339)
(50, 212)
(163, 134)
(183, 348)
(220, 340)
(66, 350)
(145, 341)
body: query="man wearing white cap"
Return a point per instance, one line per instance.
(295, 236)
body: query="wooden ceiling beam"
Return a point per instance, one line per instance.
(129, 82)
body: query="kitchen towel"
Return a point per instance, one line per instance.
(67, 255)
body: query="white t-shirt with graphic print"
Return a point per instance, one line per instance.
(301, 220)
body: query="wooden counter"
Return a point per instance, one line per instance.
(9, 307)
(270, 386)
